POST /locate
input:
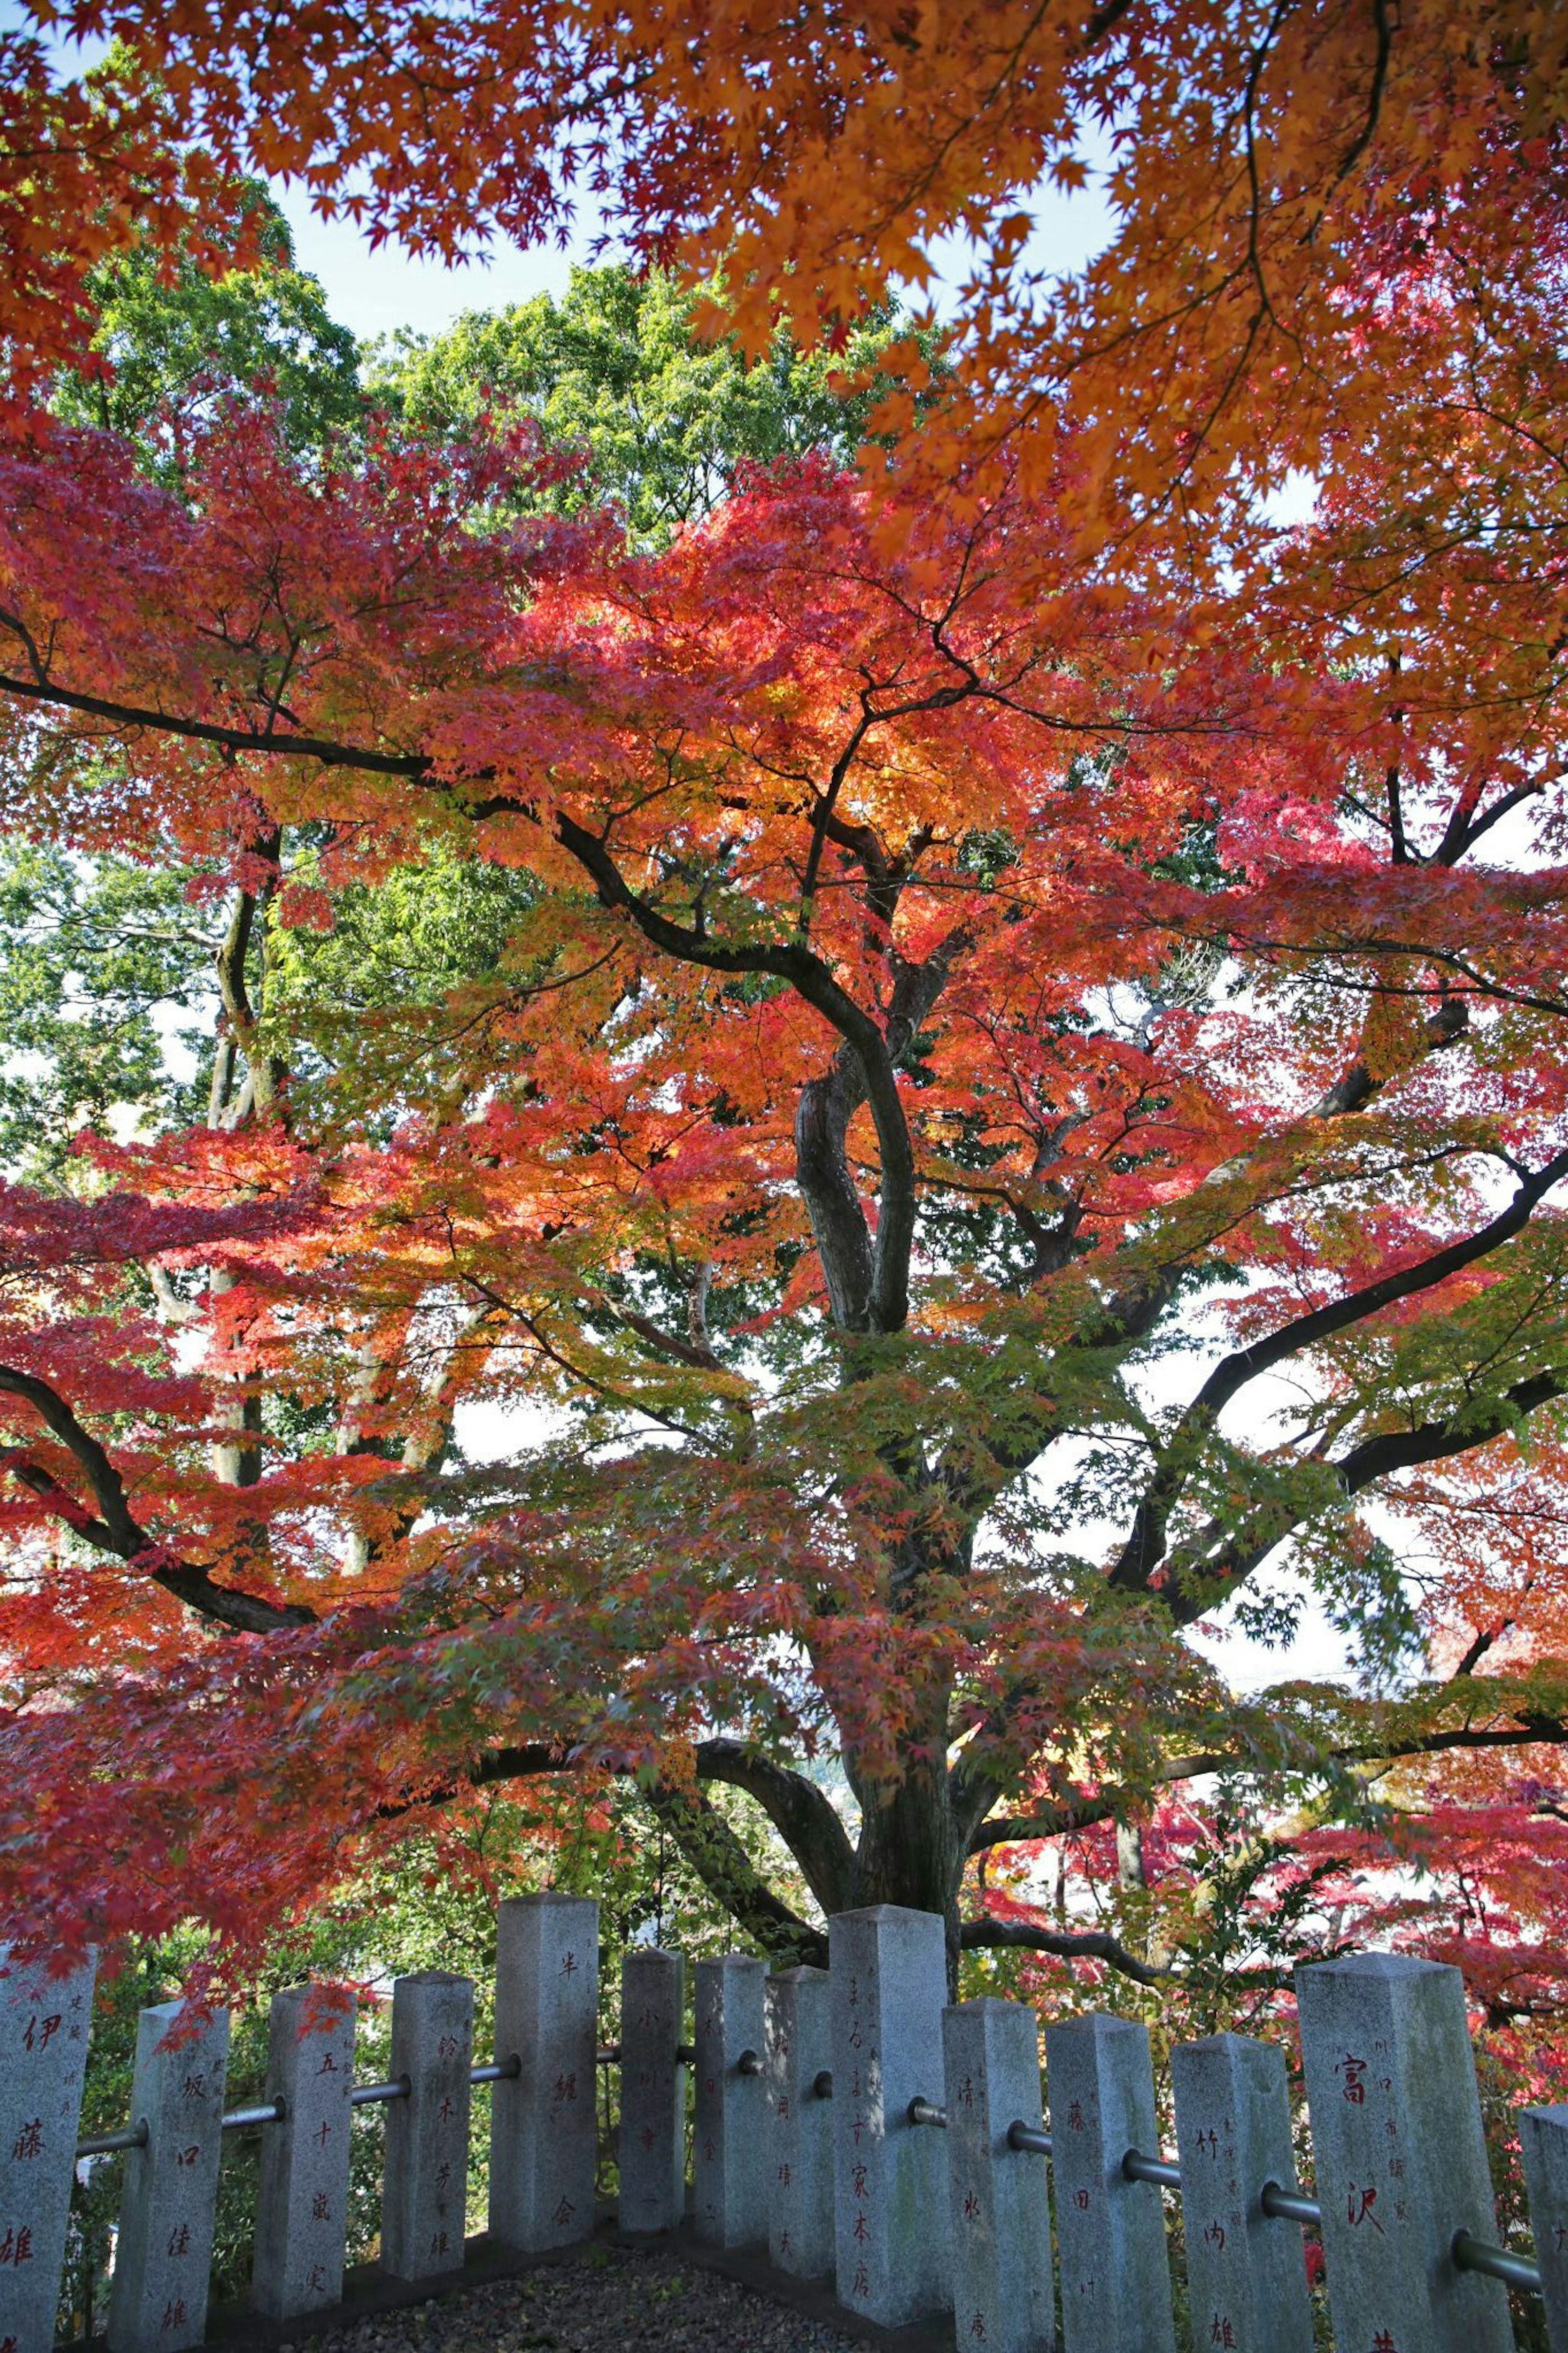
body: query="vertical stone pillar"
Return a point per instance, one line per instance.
(799, 2140)
(302, 2198)
(653, 2091)
(543, 2124)
(1001, 2209)
(892, 2230)
(1400, 2157)
(1111, 2232)
(1543, 2141)
(1246, 2279)
(44, 2024)
(424, 2196)
(158, 2302)
(730, 2143)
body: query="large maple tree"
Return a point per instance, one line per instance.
(1021, 1075)
(929, 974)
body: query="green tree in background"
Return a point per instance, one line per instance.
(616, 367)
(175, 346)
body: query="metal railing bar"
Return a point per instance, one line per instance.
(1028, 2137)
(1473, 2254)
(1289, 2205)
(499, 2071)
(1136, 2167)
(822, 2084)
(367, 2095)
(925, 2111)
(270, 2112)
(105, 2143)
(748, 2063)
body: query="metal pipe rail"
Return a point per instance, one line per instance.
(272, 2112)
(1469, 2254)
(368, 2095)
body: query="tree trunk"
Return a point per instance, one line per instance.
(910, 1851)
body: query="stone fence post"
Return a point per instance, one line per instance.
(893, 2229)
(302, 2202)
(800, 2123)
(1543, 2143)
(163, 2255)
(1246, 2275)
(44, 2023)
(543, 2121)
(1002, 2292)
(1400, 2155)
(729, 2164)
(1111, 2232)
(653, 2091)
(425, 2194)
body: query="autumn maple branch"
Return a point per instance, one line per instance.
(116, 1529)
(1146, 1550)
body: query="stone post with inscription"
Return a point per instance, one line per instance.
(302, 2198)
(730, 2192)
(652, 2146)
(1543, 2143)
(544, 2122)
(1246, 2279)
(891, 2225)
(799, 2140)
(44, 2023)
(158, 2302)
(1000, 2212)
(424, 2199)
(1399, 2153)
(1111, 2232)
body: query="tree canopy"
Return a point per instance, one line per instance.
(841, 1114)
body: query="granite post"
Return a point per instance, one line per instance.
(730, 2188)
(543, 2121)
(1400, 2157)
(891, 2226)
(424, 2199)
(1543, 2142)
(799, 2140)
(653, 2091)
(1246, 2279)
(1111, 2232)
(302, 2197)
(44, 2024)
(1001, 2295)
(163, 2255)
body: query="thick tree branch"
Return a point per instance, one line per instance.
(799, 1811)
(1085, 1944)
(116, 1530)
(1201, 1574)
(720, 1860)
(802, 1814)
(1531, 1730)
(1145, 1548)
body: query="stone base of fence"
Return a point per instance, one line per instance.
(368, 2290)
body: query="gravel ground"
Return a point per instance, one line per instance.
(615, 2300)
